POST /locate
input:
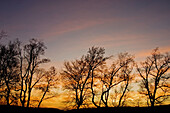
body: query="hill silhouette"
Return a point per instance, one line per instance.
(156, 109)
(19, 109)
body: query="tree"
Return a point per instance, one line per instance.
(118, 72)
(86, 75)
(75, 79)
(19, 67)
(29, 62)
(94, 60)
(80, 74)
(49, 80)
(9, 77)
(126, 73)
(154, 74)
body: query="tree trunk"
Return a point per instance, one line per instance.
(93, 94)
(104, 101)
(29, 96)
(30, 87)
(152, 103)
(120, 100)
(7, 98)
(43, 97)
(78, 107)
(8, 92)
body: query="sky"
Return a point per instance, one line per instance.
(70, 27)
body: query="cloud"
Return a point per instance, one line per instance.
(147, 52)
(119, 40)
(72, 25)
(80, 23)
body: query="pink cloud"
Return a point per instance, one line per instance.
(75, 25)
(144, 53)
(116, 40)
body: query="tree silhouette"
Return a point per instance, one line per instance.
(9, 77)
(86, 75)
(124, 87)
(20, 73)
(49, 80)
(79, 75)
(29, 62)
(88, 80)
(119, 72)
(94, 60)
(154, 78)
(75, 79)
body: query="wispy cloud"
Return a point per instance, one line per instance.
(73, 25)
(147, 52)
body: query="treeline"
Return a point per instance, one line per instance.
(20, 72)
(92, 81)
(88, 81)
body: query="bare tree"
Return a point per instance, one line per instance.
(29, 62)
(126, 74)
(118, 73)
(9, 76)
(155, 77)
(95, 59)
(19, 70)
(75, 79)
(49, 80)
(85, 75)
(80, 74)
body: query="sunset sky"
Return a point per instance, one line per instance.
(70, 27)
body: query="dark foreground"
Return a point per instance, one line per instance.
(157, 109)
